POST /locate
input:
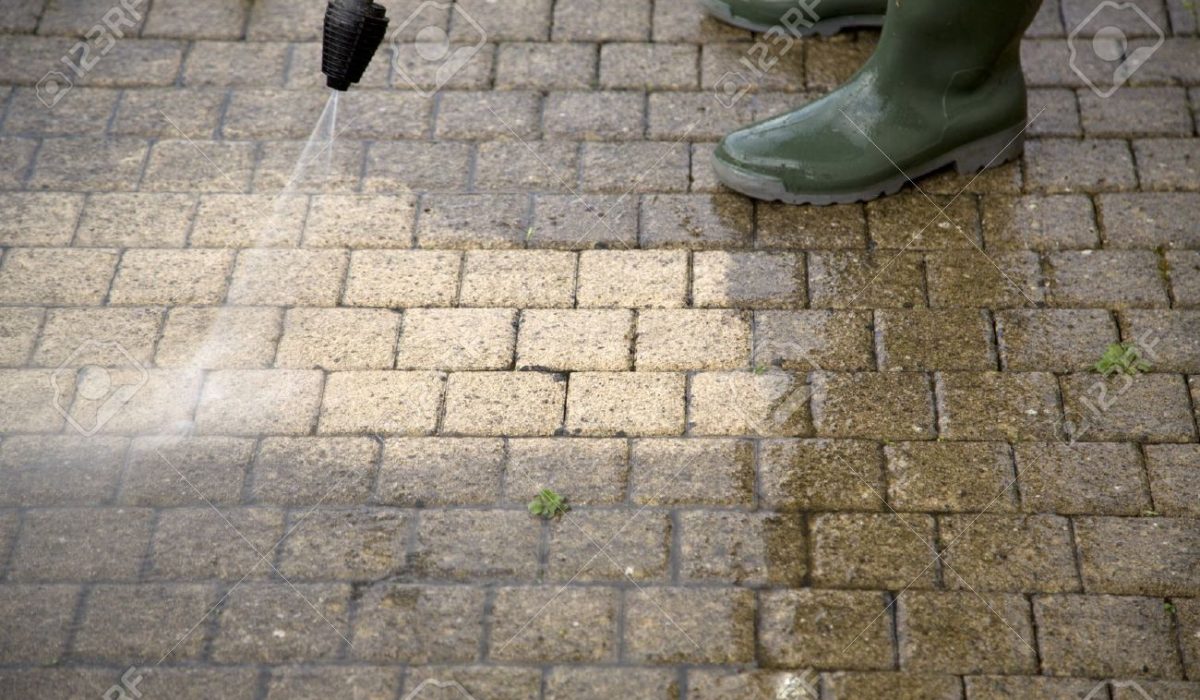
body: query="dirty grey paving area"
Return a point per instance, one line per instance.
(271, 434)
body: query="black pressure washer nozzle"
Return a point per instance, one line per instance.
(353, 31)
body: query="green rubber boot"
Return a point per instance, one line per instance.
(801, 17)
(943, 87)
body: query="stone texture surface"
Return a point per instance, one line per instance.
(278, 427)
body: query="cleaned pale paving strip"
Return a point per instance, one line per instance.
(839, 452)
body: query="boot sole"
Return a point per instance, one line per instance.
(825, 27)
(990, 151)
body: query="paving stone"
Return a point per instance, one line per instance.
(1137, 639)
(166, 112)
(1117, 279)
(742, 548)
(16, 157)
(1027, 553)
(649, 166)
(692, 471)
(950, 476)
(213, 166)
(338, 339)
(856, 280)
(28, 407)
(1058, 110)
(153, 619)
(275, 622)
(1147, 408)
(592, 471)
(765, 403)
(699, 625)
(472, 544)
(457, 339)
(473, 221)
(51, 682)
(36, 622)
(287, 277)
(752, 684)
(1040, 222)
(873, 550)
(636, 548)
(39, 218)
(633, 278)
(369, 682)
(649, 66)
(703, 177)
(997, 406)
(233, 64)
(510, 166)
(158, 401)
(1184, 272)
(148, 276)
(581, 222)
(622, 403)
(343, 544)
(414, 166)
(1056, 340)
(275, 19)
(88, 164)
(440, 471)
(248, 221)
(896, 406)
(679, 20)
(1138, 556)
(594, 683)
(1136, 111)
(81, 544)
(811, 628)
(542, 66)
(718, 60)
(499, 682)
(1167, 164)
(53, 470)
(821, 475)
(807, 340)
(593, 116)
(1149, 219)
(1188, 619)
(518, 278)
(897, 685)
(1167, 690)
(255, 113)
(692, 339)
(1068, 165)
(256, 402)
(1087, 477)
(178, 18)
(1172, 479)
(788, 227)
(18, 332)
(488, 116)
(402, 278)
(56, 276)
(917, 339)
(100, 336)
(1170, 338)
(393, 623)
(286, 168)
(749, 280)
(311, 471)
(584, 626)
(694, 116)
(381, 402)
(359, 221)
(473, 61)
(965, 632)
(913, 221)
(136, 220)
(593, 20)
(171, 471)
(970, 279)
(695, 222)
(387, 114)
(219, 337)
(1032, 687)
(237, 543)
(575, 339)
(504, 403)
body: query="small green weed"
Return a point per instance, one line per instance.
(1169, 608)
(548, 504)
(1121, 357)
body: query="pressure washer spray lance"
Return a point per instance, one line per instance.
(353, 31)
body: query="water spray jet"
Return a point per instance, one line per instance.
(353, 31)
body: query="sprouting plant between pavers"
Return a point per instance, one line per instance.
(547, 504)
(1121, 357)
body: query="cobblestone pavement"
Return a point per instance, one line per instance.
(260, 446)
